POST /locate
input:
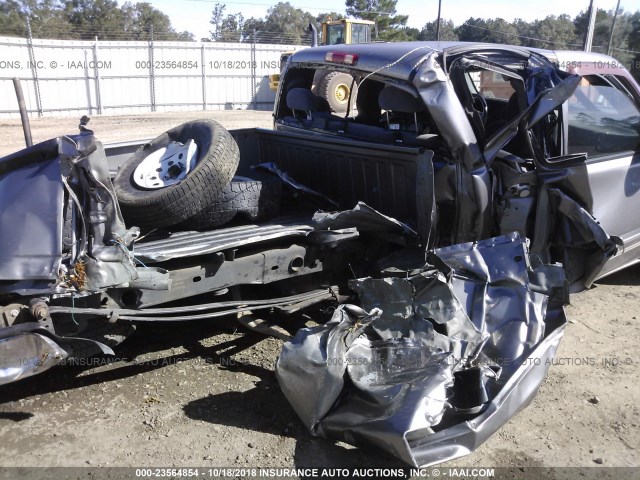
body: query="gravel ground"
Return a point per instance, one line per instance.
(205, 394)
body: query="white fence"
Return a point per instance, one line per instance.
(71, 78)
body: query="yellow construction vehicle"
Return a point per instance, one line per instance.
(334, 86)
(347, 30)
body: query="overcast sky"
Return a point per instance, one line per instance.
(194, 15)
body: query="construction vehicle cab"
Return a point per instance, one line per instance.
(335, 32)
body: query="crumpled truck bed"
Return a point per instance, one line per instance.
(435, 360)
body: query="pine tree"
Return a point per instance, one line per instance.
(390, 26)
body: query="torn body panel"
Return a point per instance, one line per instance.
(67, 221)
(31, 244)
(30, 348)
(483, 310)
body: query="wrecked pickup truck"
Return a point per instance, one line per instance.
(432, 232)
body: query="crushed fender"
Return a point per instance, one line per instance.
(433, 361)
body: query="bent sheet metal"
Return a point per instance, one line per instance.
(433, 362)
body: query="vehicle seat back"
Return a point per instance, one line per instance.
(404, 109)
(402, 104)
(308, 109)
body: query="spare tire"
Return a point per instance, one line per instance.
(336, 89)
(186, 188)
(254, 199)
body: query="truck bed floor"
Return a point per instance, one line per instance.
(187, 244)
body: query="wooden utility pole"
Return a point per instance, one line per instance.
(588, 38)
(438, 24)
(613, 26)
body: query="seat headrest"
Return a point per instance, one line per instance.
(398, 100)
(302, 99)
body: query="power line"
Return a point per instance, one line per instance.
(308, 7)
(519, 36)
(112, 32)
(116, 34)
(540, 39)
(624, 50)
(238, 2)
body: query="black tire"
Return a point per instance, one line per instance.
(328, 89)
(218, 158)
(254, 199)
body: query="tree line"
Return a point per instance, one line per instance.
(557, 32)
(86, 20)
(284, 23)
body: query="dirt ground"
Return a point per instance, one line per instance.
(204, 394)
(123, 128)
